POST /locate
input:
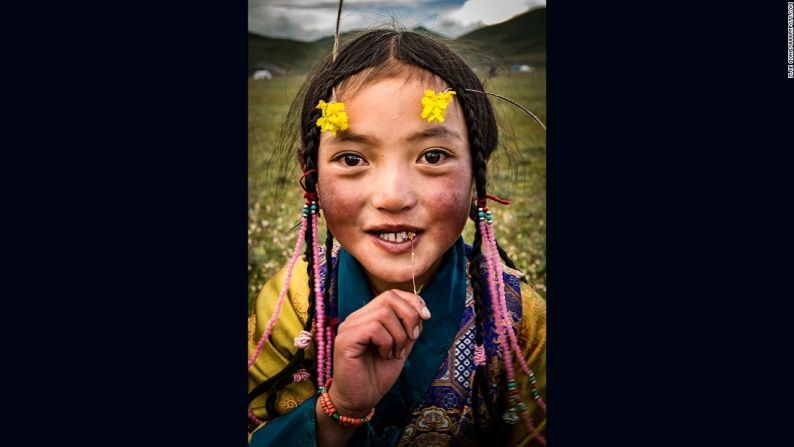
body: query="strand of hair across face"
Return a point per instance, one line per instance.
(506, 317)
(524, 109)
(284, 288)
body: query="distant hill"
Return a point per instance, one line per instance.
(521, 39)
(288, 55)
(280, 55)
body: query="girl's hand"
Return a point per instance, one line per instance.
(371, 347)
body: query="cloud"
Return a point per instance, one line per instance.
(490, 12)
(308, 20)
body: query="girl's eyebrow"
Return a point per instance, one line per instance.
(350, 137)
(431, 132)
(435, 132)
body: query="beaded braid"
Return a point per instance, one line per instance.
(291, 372)
(495, 279)
(480, 382)
(328, 286)
(320, 365)
(285, 287)
(504, 328)
(283, 377)
(311, 140)
(505, 316)
(310, 214)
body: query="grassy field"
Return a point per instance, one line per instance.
(517, 172)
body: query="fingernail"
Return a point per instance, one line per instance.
(402, 353)
(390, 355)
(425, 313)
(416, 332)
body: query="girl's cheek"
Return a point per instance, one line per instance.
(453, 194)
(334, 201)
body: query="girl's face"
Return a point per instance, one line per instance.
(393, 172)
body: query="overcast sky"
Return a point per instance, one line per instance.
(312, 19)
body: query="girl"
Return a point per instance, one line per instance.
(396, 332)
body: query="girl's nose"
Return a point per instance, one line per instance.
(393, 190)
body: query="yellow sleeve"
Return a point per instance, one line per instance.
(280, 348)
(532, 339)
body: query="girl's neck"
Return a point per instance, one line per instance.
(378, 286)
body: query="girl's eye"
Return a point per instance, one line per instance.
(433, 157)
(351, 160)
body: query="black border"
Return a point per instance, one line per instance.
(669, 136)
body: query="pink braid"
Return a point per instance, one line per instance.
(284, 288)
(253, 418)
(319, 302)
(505, 315)
(494, 305)
(502, 319)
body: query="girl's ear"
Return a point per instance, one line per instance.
(473, 192)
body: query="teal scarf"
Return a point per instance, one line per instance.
(445, 298)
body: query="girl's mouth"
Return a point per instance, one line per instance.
(397, 240)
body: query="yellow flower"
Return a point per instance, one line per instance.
(434, 105)
(334, 117)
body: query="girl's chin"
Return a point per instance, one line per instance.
(392, 282)
(394, 277)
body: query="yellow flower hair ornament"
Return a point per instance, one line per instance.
(434, 105)
(334, 117)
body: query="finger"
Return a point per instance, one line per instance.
(388, 318)
(377, 335)
(416, 301)
(407, 312)
(396, 316)
(361, 334)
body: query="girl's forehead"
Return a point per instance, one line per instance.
(388, 111)
(399, 75)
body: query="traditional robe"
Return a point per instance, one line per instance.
(431, 403)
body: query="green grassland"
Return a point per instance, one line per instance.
(517, 172)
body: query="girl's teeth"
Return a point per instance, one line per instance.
(401, 236)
